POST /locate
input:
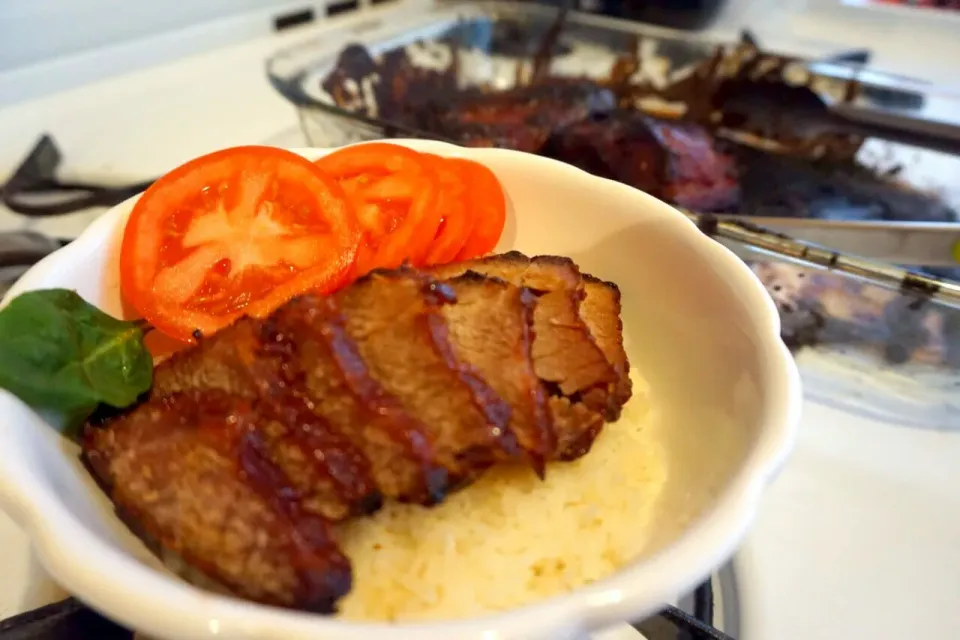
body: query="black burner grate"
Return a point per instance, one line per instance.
(675, 624)
(66, 620)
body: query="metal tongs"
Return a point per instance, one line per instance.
(865, 102)
(911, 283)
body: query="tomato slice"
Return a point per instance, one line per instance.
(239, 231)
(369, 160)
(486, 206)
(457, 219)
(393, 191)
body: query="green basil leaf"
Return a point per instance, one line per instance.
(61, 353)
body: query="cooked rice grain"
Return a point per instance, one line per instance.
(510, 539)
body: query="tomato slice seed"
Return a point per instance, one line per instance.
(240, 230)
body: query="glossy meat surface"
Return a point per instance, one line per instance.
(403, 386)
(578, 337)
(191, 471)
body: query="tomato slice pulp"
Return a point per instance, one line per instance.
(239, 231)
(486, 206)
(456, 212)
(393, 191)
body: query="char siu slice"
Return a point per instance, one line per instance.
(226, 361)
(491, 328)
(243, 360)
(190, 473)
(250, 359)
(566, 356)
(397, 322)
(600, 311)
(324, 362)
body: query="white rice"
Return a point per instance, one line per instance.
(510, 539)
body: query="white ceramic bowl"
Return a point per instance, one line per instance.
(698, 324)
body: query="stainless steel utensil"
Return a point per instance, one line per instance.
(917, 244)
(919, 285)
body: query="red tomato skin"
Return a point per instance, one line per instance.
(144, 240)
(488, 206)
(454, 208)
(365, 168)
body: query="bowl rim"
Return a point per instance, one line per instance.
(115, 582)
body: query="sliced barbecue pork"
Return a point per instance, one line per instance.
(404, 386)
(396, 319)
(577, 348)
(190, 473)
(491, 329)
(320, 358)
(600, 311)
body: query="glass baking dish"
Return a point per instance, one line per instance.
(496, 43)
(864, 349)
(493, 44)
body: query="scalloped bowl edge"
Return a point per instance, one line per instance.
(145, 599)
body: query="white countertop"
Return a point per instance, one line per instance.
(137, 126)
(858, 537)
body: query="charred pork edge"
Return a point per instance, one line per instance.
(544, 425)
(193, 569)
(413, 435)
(544, 422)
(623, 390)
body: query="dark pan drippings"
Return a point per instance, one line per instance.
(819, 309)
(781, 186)
(744, 140)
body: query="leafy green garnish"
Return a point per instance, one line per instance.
(61, 353)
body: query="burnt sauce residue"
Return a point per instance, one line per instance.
(779, 186)
(739, 138)
(819, 309)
